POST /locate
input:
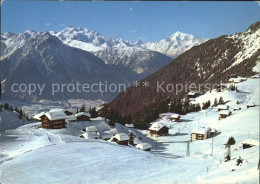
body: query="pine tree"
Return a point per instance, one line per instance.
(11, 108)
(215, 102)
(20, 115)
(221, 101)
(93, 112)
(131, 138)
(82, 108)
(77, 110)
(0, 108)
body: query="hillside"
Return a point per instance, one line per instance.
(208, 63)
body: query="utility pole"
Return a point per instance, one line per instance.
(188, 149)
(212, 147)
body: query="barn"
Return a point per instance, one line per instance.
(82, 116)
(200, 133)
(54, 120)
(224, 113)
(159, 129)
(121, 139)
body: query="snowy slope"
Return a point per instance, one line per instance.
(37, 155)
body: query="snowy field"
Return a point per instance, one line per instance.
(31, 154)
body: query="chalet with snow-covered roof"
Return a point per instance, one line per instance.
(237, 80)
(236, 75)
(53, 120)
(144, 146)
(159, 129)
(192, 94)
(222, 107)
(105, 136)
(71, 118)
(37, 118)
(237, 108)
(89, 135)
(248, 143)
(175, 118)
(224, 113)
(121, 139)
(82, 116)
(250, 105)
(200, 133)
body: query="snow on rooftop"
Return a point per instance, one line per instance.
(91, 129)
(37, 116)
(82, 114)
(105, 135)
(224, 112)
(252, 104)
(57, 110)
(122, 137)
(71, 118)
(200, 130)
(175, 116)
(251, 142)
(223, 107)
(143, 146)
(156, 126)
(192, 93)
(55, 115)
(129, 125)
(90, 135)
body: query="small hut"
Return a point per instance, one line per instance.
(248, 143)
(250, 105)
(90, 133)
(175, 118)
(224, 113)
(237, 108)
(159, 129)
(200, 133)
(144, 146)
(222, 107)
(82, 116)
(129, 125)
(121, 139)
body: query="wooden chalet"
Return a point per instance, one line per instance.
(248, 143)
(237, 108)
(175, 118)
(121, 139)
(250, 105)
(83, 116)
(222, 107)
(53, 120)
(192, 94)
(37, 118)
(224, 114)
(200, 133)
(159, 129)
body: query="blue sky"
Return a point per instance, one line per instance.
(150, 21)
